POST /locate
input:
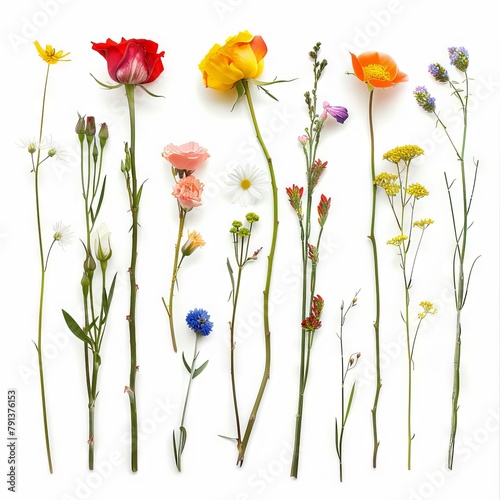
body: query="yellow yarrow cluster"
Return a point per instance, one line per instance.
(387, 182)
(428, 308)
(405, 153)
(417, 190)
(397, 240)
(422, 224)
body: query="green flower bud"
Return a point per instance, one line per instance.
(80, 127)
(103, 135)
(90, 128)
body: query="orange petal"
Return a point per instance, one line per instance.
(358, 69)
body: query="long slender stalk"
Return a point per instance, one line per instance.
(42, 280)
(270, 260)
(303, 337)
(134, 209)
(376, 323)
(460, 289)
(232, 362)
(175, 270)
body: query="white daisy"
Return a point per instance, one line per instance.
(62, 234)
(247, 184)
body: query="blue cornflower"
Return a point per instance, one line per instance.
(438, 72)
(424, 99)
(199, 321)
(459, 57)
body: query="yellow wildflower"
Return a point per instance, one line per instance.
(428, 308)
(417, 190)
(49, 55)
(194, 240)
(386, 181)
(405, 153)
(423, 223)
(397, 240)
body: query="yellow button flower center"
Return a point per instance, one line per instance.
(376, 72)
(246, 184)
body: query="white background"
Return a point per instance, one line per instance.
(415, 33)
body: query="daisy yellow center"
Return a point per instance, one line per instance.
(376, 72)
(246, 184)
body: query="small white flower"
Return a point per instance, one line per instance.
(247, 184)
(62, 234)
(55, 149)
(31, 144)
(102, 244)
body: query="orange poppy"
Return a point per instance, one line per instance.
(377, 69)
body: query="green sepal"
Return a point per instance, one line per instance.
(105, 85)
(241, 92)
(149, 92)
(75, 329)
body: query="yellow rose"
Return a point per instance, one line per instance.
(241, 57)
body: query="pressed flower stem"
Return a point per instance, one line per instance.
(42, 281)
(376, 323)
(270, 260)
(232, 364)
(134, 210)
(460, 290)
(175, 270)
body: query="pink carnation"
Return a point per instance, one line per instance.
(188, 192)
(189, 156)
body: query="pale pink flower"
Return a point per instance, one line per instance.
(188, 192)
(189, 156)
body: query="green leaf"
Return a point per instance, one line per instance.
(188, 368)
(231, 275)
(179, 448)
(197, 370)
(337, 438)
(200, 369)
(101, 198)
(351, 395)
(139, 194)
(75, 328)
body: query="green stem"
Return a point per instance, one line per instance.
(409, 354)
(376, 323)
(302, 376)
(270, 260)
(175, 269)
(460, 290)
(42, 280)
(134, 209)
(232, 369)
